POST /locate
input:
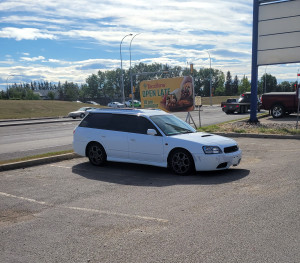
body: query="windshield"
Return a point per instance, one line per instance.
(171, 125)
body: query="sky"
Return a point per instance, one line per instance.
(46, 40)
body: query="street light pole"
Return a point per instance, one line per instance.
(131, 85)
(122, 81)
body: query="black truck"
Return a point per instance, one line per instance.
(241, 105)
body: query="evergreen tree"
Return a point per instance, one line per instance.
(235, 86)
(228, 84)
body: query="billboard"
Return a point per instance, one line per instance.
(278, 32)
(170, 94)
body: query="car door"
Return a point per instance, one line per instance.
(144, 148)
(116, 137)
(106, 128)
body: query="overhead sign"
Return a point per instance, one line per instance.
(278, 32)
(170, 94)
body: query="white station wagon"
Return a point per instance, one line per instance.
(152, 137)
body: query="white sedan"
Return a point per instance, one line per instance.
(115, 104)
(80, 113)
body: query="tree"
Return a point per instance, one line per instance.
(228, 84)
(93, 85)
(235, 86)
(245, 85)
(268, 83)
(51, 95)
(71, 91)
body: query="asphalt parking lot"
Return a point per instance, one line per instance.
(70, 211)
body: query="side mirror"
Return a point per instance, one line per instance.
(151, 132)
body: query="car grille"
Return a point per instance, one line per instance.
(231, 149)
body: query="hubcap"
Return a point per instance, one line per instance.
(277, 111)
(96, 155)
(180, 163)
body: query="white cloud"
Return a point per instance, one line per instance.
(32, 59)
(24, 33)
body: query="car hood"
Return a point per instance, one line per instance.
(205, 139)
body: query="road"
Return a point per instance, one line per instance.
(52, 136)
(71, 211)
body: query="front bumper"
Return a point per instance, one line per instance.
(212, 162)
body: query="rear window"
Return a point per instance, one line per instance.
(97, 121)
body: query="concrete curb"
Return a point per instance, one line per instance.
(39, 161)
(262, 136)
(36, 121)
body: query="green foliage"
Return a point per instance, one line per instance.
(106, 85)
(244, 86)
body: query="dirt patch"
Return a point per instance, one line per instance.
(8, 217)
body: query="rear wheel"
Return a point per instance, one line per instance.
(277, 111)
(181, 162)
(82, 115)
(96, 154)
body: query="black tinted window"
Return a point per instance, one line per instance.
(118, 122)
(96, 120)
(141, 125)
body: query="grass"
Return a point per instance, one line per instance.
(28, 158)
(19, 109)
(229, 127)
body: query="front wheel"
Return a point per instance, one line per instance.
(96, 154)
(181, 162)
(277, 111)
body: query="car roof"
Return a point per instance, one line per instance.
(145, 112)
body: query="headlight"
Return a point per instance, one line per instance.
(211, 149)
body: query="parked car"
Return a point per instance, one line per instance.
(152, 137)
(280, 103)
(116, 104)
(92, 102)
(136, 103)
(80, 112)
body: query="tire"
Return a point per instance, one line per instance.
(181, 162)
(73, 117)
(277, 111)
(96, 154)
(82, 115)
(241, 111)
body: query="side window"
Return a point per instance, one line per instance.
(96, 120)
(141, 125)
(120, 122)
